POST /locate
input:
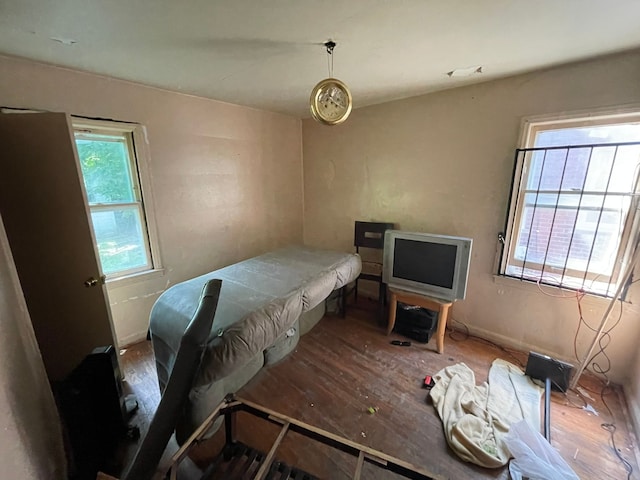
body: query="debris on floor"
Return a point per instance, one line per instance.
(428, 382)
(584, 393)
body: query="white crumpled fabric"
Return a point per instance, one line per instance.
(476, 418)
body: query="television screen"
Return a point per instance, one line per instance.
(425, 262)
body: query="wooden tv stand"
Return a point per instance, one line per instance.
(440, 306)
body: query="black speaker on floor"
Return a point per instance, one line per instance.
(92, 405)
(417, 323)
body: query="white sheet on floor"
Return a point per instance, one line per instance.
(477, 417)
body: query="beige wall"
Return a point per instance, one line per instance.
(226, 180)
(442, 163)
(31, 440)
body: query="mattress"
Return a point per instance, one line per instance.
(260, 301)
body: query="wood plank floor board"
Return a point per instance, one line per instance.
(346, 365)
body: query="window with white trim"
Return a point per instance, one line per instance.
(573, 217)
(112, 178)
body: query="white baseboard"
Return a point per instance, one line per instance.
(509, 342)
(131, 339)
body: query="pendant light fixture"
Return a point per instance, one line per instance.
(330, 102)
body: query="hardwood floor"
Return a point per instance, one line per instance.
(346, 365)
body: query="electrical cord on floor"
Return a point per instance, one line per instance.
(611, 428)
(452, 331)
(595, 367)
(468, 335)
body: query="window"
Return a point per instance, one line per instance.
(111, 173)
(573, 209)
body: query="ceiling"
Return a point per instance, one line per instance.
(269, 54)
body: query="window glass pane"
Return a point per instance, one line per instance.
(564, 228)
(548, 169)
(595, 134)
(535, 229)
(593, 169)
(625, 168)
(595, 241)
(105, 165)
(121, 243)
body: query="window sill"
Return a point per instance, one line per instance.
(134, 278)
(553, 292)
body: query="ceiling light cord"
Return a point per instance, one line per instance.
(330, 45)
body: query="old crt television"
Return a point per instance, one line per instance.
(427, 264)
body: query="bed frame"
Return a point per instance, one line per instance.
(259, 466)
